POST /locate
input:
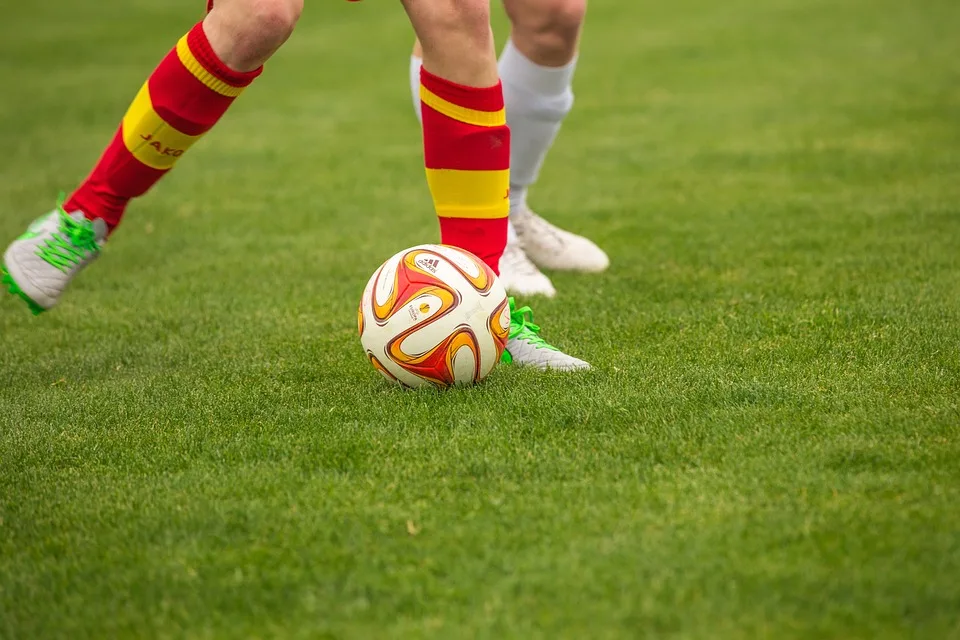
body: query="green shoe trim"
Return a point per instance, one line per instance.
(75, 241)
(523, 328)
(15, 289)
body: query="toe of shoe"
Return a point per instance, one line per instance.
(23, 283)
(571, 364)
(530, 286)
(559, 361)
(578, 254)
(590, 257)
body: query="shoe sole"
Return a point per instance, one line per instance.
(507, 358)
(15, 289)
(548, 266)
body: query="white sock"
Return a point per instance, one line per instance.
(537, 99)
(415, 63)
(518, 195)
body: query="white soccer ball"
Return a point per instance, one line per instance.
(434, 315)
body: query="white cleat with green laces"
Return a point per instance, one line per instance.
(526, 347)
(40, 264)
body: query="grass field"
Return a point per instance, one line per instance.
(192, 444)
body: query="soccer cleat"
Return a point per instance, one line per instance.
(550, 247)
(40, 264)
(520, 276)
(526, 347)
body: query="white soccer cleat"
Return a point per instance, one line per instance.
(40, 264)
(550, 247)
(520, 276)
(526, 347)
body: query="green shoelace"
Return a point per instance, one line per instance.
(523, 327)
(73, 242)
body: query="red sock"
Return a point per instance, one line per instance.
(467, 154)
(181, 101)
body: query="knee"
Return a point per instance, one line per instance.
(274, 20)
(464, 21)
(551, 28)
(245, 33)
(561, 18)
(456, 38)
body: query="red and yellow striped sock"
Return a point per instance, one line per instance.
(467, 155)
(184, 97)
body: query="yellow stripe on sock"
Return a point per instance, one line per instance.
(148, 136)
(188, 60)
(470, 194)
(462, 114)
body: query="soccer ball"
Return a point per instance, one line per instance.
(434, 315)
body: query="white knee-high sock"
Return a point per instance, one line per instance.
(415, 63)
(537, 99)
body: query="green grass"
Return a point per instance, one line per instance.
(192, 444)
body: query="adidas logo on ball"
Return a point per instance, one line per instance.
(430, 264)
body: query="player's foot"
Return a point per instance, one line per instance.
(526, 347)
(550, 247)
(40, 264)
(520, 276)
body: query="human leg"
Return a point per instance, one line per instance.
(537, 70)
(467, 149)
(183, 98)
(537, 67)
(465, 134)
